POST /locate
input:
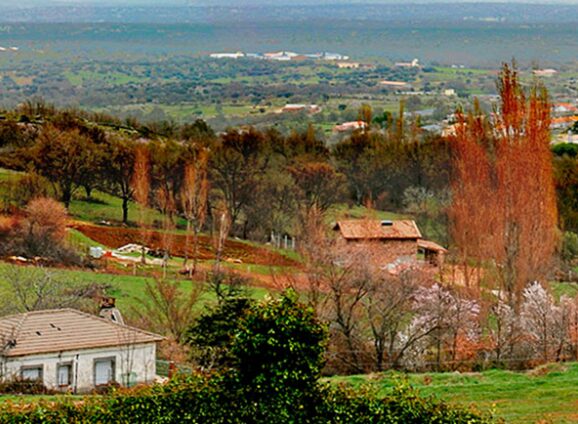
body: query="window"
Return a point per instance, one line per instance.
(64, 375)
(103, 371)
(32, 373)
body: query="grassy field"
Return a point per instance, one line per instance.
(127, 289)
(104, 207)
(568, 289)
(546, 395)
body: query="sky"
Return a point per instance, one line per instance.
(11, 3)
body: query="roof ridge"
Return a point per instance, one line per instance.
(24, 316)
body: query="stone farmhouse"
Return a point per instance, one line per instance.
(386, 242)
(72, 351)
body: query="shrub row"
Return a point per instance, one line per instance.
(218, 399)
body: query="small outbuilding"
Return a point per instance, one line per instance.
(72, 351)
(433, 253)
(384, 242)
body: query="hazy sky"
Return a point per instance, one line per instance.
(259, 2)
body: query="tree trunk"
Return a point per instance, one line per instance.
(195, 249)
(125, 210)
(66, 196)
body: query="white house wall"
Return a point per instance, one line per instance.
(136, 359)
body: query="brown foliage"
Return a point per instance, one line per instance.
(321, 185)
(504, 203)
(141, 176)
(46, 218)
(167, 308)
(65, 158)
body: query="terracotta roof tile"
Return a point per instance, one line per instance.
(65, 330)
(370, 229)
(430, 245)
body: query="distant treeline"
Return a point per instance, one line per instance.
(265, 180)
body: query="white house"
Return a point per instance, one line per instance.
(413, 64)
(73, 351)
(236, 55)
(294, 107)
(350, 126)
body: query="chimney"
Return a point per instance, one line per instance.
(107, 303)
(109, 311)
(386, 223)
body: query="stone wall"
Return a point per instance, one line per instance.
(379, 253)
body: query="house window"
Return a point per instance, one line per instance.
(64, 375)
(32, 373)
(103, 371)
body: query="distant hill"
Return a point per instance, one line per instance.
(177, 11)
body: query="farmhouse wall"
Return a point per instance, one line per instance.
(133, 364)
(380, 252)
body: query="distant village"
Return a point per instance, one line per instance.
(281, 56)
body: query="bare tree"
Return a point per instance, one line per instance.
(338, 281)
(502, 214)
(506, 334)
(220, 238)
(389, 310)
(35, 288)
(127, 339)
(194, 197)
(167, 308)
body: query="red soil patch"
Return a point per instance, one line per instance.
(115, 237)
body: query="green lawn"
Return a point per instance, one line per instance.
(127, 289)
(343, 211)
(549, 393)
(568, 289)
(104, 207)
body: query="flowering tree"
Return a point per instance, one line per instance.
(442, 320)
(544, 322)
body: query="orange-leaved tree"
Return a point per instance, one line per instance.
(141, 183)
(504, 203)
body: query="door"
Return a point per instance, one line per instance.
(103, 371)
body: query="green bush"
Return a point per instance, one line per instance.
(202, 399)
(278, 353)
(570, 246)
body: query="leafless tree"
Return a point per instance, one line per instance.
(194, 197)
(36, 288)
(167, 308)
(388, 311)
(224, 226)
